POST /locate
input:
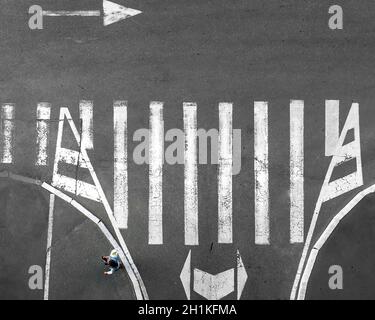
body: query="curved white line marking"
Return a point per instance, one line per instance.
(140, 290)
(324, 237)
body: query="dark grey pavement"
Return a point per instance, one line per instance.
(203, 51)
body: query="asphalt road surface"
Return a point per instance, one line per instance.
(237, 51)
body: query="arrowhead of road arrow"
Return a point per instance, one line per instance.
(114, 12)
(186, 275)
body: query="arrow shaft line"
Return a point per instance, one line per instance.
(92, 13)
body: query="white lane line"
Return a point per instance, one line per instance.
(120, 155)
(49, 246)
(332, 126)
(86, 115)
(296, 171)
(155, 228)
(325, 236)
(261, 173)
(7, 117)
(43, 115)
(191, 175)
(225, 224)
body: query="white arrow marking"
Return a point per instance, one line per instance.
(113, 12)
(241, 276)
(214, 287)
(185, 275)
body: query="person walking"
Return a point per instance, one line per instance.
(113, 261)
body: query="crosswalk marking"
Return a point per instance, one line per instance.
(120, 155)
(155, 227)
(156, 155)
(225, 173)
(191, 175)
(296, 171)
(86, 115)
(261, 173)
(7, 117)
(43, 115)
(332, 126)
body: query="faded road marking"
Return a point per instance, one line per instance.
(225, 219)
(120, 155)
(156, 149)
(7, 117)
(296, 171)
(261, 173)
(190, 175)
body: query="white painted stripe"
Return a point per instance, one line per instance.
(72, 157)
(120, 164)
(64, 13)
(77, 187)
(191, 175)
(156, 149)
(86, 115)
(225, 223)
(296, 171)
(332, 127)
(49, 246)
(261, 174)
(7, 116)
(57, 192)
(43, 115)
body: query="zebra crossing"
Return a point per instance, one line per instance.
(225, 146)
